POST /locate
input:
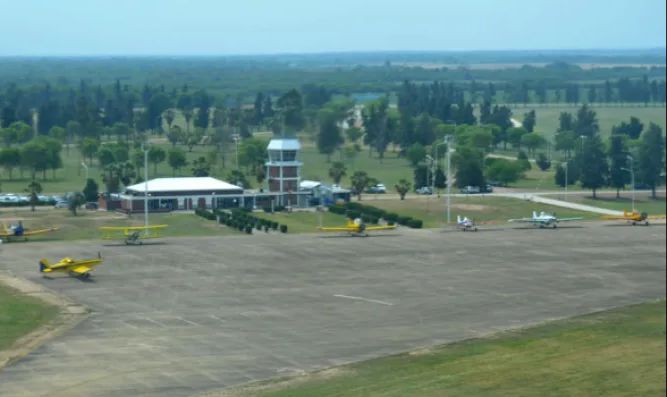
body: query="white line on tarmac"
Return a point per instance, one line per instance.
(358, 298)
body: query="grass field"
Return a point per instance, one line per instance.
(20, 314)
(547, 117)
(482, 209)
(304, 221)
(84, 225)
(614, 353)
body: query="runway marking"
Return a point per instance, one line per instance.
(187, 321)
(358, 298)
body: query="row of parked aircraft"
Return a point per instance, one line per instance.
(542, 219)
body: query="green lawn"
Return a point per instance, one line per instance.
(304, 221)
(84, 226)
(482, 209)
(547, 117)
(614, 353)
(20, 314)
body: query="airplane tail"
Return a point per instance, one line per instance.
(458, 218)
(534, 214)
(43, 264)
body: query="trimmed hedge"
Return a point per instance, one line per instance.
(370, 214)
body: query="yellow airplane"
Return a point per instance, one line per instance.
(131, 234)
(75, 268)
(17, 232)
(633, 217)
(356, 228)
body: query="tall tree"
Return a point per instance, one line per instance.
(329, 137)
(651, 165)
(176, 159)
(337, 171)
(529, 120)
(91, 190)
(34, 188)
(594, 169)
(10, 158)
(469, 167)
(402, 188)
(359, 181)
(156, 155)
(618, 156)
(586, 123)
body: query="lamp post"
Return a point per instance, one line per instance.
(632, 179)
(432, 161)
(145, 189)
(448, 140)
(236, 138)
(85, 167)
(437, 160)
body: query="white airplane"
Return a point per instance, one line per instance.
(465, 224)
(544, 220)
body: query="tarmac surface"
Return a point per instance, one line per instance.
(196, 314)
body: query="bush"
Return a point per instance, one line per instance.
(353, 214)
(266, 228)
(248, 229)
(283, 228)
(403, 220)
(391, 217)
(274, 225)
(415, 223)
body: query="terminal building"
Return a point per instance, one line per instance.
(285, 188)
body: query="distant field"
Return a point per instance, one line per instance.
(614, 353)
(547, 117)
(20, 314)
(304, 221)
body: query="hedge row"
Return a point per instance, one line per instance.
(370, 214)
(241, 219)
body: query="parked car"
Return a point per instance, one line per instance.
(91, 205)
(471, 190)
(379, 188)
(61, 204)
(424, 190)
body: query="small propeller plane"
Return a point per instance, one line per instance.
(75, 268)
(633, 217)
(132, 235)
(543, 220)
(18, 232)
(465, 224)
(357, 228)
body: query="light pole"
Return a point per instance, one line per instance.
(236, 137)
(448, 140)
(145, 189)
(429, 158)
(85, 167)
(632, 179)
(437, 160)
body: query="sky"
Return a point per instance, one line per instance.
(240, 27)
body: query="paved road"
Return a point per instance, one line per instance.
(202, 313)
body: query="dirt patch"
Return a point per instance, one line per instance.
(252, 389)
(471, 207)
(70, 314)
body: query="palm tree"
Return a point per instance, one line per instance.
(337, 172)
(403, 187)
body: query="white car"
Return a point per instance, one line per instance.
(61, 204)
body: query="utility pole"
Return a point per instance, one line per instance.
(449, 177)
(632, 179)
(145, 189)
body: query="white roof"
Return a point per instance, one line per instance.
(309, 184)
(187, 184)
(284, 144)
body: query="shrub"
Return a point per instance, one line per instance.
(390, 217)
(248, 229)
(266, 228)
(415, 223)
(274, 225)
(353, 214)
(283, 228)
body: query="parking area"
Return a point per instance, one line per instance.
(195, 314)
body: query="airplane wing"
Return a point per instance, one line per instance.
(130, 228)
(337, 229)
(569, 219)
(524, 220)
(387, 227)
(39, 231)
(81, 269)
